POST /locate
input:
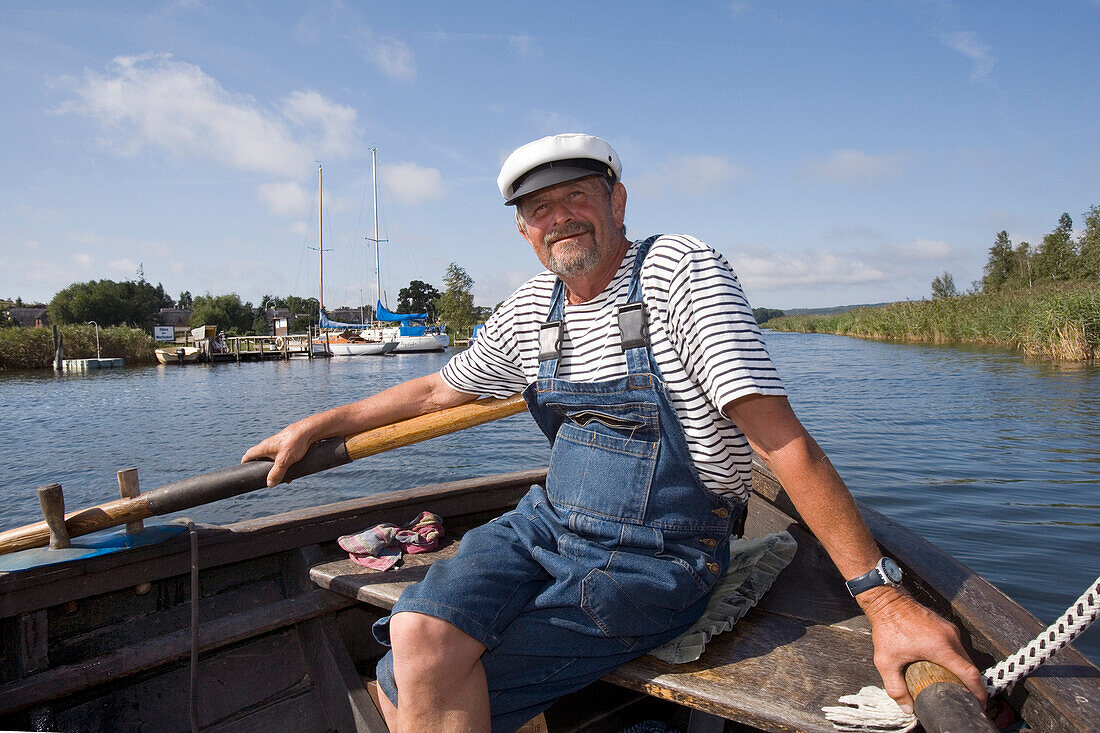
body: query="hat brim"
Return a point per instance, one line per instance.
(552, 174)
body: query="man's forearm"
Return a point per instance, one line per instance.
(400, 402)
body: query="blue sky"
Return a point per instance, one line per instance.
(835, 152)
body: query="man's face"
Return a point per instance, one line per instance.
(573, 225)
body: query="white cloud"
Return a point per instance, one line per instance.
(523, 44)
(979, 53)
(153, 101)
(853, 167)
(411, 183)
(689, 175)
(762, 269)
(394, 58)
(83, 260)
(335, 122)
(924, 249)
(285, 198)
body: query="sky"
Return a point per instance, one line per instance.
(835, 152)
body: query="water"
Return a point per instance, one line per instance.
(992, 458)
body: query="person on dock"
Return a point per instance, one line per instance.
(643, 365)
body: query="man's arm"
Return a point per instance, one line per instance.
(405, 400)
(903, 631)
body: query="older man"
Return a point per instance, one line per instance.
(643, 365)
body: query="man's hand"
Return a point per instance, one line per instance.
(903, 632)
(286, 448)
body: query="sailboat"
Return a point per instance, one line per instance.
(415, 333)
(335, 337)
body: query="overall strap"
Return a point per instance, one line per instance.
(550, 334)
(633, 323)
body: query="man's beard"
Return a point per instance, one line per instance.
(578, 257)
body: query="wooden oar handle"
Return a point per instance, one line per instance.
(245, 477)
(942, 701)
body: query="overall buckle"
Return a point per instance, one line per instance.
(550, 340)
(632, 325)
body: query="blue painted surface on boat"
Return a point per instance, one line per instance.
(92, 545)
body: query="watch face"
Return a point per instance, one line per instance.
(891, 570)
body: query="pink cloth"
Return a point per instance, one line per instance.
(380, 547)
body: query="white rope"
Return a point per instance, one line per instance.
(873, 710)
(1073, 622)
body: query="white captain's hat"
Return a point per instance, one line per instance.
(556, 159)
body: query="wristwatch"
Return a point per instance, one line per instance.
(886, 572)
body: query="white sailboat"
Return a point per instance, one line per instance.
(344, 339)
(414, 334)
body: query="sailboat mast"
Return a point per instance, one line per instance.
(377, 242)
(320, 246)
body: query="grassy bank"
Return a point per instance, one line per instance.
(1056, 324)
(32, 348)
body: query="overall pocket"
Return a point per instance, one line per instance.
(604, 458)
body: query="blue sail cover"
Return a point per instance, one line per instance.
(381, 314)
(326, 322)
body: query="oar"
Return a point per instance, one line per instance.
(245, 477)
(942, 702)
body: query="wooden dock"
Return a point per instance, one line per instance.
(259, 348)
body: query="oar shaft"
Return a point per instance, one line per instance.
(246, 477)
(942, 702)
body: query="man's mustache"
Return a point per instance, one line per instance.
(569, 230)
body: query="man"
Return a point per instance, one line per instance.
(644, 367)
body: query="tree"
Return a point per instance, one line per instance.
(999, 267)
(417, 298)
(1020, 275)
(456, 305)
(260, 326)
(943, 286)
(1056, 258)
(1088, 246)
(185, 300)
(762, 315)
(109, 303)
(227, 312)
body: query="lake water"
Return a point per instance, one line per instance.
(994, 459)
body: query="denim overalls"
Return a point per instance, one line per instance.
(614, 557)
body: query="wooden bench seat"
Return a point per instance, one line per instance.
(801, 648)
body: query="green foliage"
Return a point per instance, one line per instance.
(763, 315)
(227, 312)
(109, 303)
(33, 348)
(185, 300)
(456, 305)
(260, 326)
(1056, 258)
(943, 286)
(1088, 246)
(417, 298)
(1050, 322)
(1000, 264)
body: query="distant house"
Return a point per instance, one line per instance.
(32, 317)
(177, 318)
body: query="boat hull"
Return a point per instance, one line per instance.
(419, 344)
(278, 653)
(172, 355)
(342, 347)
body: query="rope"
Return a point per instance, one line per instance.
(1072, 624)
(872, 710)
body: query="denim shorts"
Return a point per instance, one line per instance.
(559, 600)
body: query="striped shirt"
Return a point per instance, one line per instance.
(702, 333)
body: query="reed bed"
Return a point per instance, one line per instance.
(1054, 324)
(32, 348)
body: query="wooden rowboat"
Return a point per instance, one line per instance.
(177, 354)
(283, 642)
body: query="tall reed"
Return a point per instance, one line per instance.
(32, 348)
(1058, 324)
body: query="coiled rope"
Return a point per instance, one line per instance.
(871, 709)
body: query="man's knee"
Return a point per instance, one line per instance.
(431, 641)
